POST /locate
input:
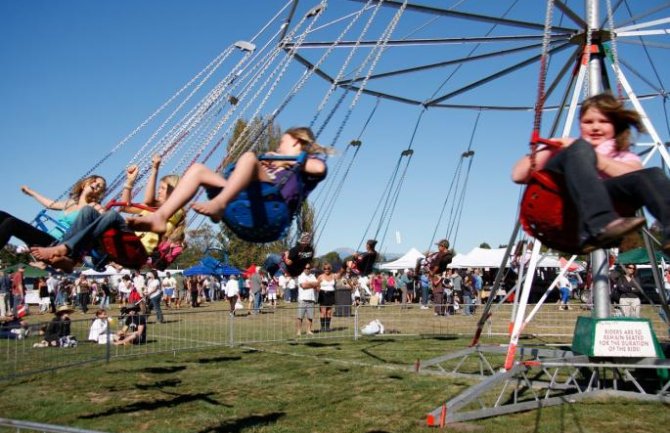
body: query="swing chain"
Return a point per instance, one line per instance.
(539, 103)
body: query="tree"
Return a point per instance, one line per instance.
(333, 258)
(9, 256)
(198, 241)
(485, 246)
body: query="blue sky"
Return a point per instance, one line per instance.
(79, 75)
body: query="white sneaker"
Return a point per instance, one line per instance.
(424, 307)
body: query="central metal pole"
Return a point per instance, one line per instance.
(599, 259)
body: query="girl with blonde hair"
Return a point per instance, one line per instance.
(249, 168)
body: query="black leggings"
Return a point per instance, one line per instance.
(12, 226)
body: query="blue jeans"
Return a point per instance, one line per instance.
(424, 295)
(16, 301)
(88, 227)
(467, 308)
(156, 305)
(257, 302)
(104, 301)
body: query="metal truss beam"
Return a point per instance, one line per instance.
(467, 16)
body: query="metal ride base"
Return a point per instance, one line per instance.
(542, 377)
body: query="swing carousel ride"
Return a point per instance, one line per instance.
(388, 76)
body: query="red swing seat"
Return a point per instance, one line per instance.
(124, 248)
(548, 214)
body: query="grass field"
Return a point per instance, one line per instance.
(332, 385)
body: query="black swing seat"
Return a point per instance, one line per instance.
(548, 213)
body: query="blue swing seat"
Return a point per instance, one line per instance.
(260, 214)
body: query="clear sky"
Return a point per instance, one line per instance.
(79, 75)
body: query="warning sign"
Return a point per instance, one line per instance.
(624, 339)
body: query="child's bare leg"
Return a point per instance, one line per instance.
(247, 169)
(196, 176)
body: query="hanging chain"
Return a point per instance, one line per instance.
(539, 103)
(615, 53)
(586, 59)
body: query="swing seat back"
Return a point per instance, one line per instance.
(548, 213)
(258, 214)
(124, 248)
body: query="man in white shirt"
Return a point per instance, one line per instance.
(52, 287)
(307, 285)
(169, 284)
(282, 282)
(139, 282)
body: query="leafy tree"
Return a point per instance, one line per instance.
(198, 241)
(333, 258)
(9, 256)
(485, 245)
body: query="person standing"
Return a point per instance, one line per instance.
(232, 290)
(18, 289)
(326, 296)
(139, 282)
(5, 292)
(457, 289)
(43, 292)
(52, 288)
(169, 286)
(256, 290)
(307, 286)
(155, 294)
(84, 289)
(564, 289)
(424, 283)
(124, 288)
(105, 293)
(627, 288)
(468, 295)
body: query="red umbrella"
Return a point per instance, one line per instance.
(573, 266)
(250, 270)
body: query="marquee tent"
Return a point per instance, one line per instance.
(407, 261)
(492, 258)
(639, 256)
(210, 266)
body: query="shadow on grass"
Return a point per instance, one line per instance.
(440, 337)
(242, 424)
(156, 404)
(317, 344)
(151, 370)
(159, 385)
(367, 350)
(218, 359)
(163, 370)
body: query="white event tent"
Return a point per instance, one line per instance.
(492, 258)
(407, 261)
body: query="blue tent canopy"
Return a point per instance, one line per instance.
(210, 266)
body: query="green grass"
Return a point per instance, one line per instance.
(330, 386)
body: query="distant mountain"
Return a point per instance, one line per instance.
(344, 252)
